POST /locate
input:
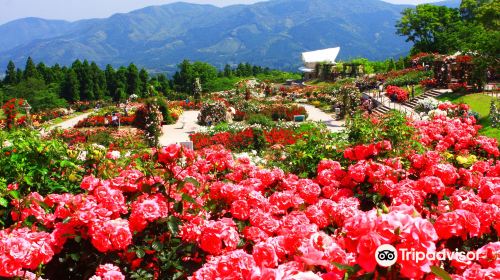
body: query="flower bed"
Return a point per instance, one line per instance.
(245, 139)
(207, 215)
(283, 112)
(186, 106)
(95, 121)
(131, 138)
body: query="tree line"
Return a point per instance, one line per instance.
(54, 86)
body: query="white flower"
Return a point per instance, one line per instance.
(6, 143)
(114, 154)
(82, 156)
(97, 146)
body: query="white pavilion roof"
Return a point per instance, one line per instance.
(326, 55)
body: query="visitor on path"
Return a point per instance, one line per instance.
(115, 120)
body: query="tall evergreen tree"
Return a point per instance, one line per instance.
(19, 75)
(70, 87)
(10, 74)
(109, 73)
(144, 81)
(98, 81)
(133, 81)
(228, 71)
(30, 69)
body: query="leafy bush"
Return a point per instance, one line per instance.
(164, 109)
(44, 166)
(212, 113)
(410, 78)
(260, 119)
(303, 157)
(392, 127)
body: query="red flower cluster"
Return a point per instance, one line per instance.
(104, 121)
(429, 83)
(23, 248)
(397, 93)
(463, 59)
(361, 152)
(10, 111)
(458, 134)
(186, 106)
(458, 86)
(244, 138)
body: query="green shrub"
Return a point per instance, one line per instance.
(163, 107)
(411, 78)
(260, 119)
(44, 166)
(212, 113)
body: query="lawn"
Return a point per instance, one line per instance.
(479, 103)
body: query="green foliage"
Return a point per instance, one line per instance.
(184, 79)
(44, 166)
(303, 157)
(393, 127)
(163, 107)
(411, 78)
(37, 93)
(260, 119)
(276, 76)
(221, 84)
(424, 24)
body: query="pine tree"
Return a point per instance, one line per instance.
(109, 73)
(144, 81)
(10, 74)
(228, 72)
(98, 81)
(70, 88)
(133, 80)
(30, 69)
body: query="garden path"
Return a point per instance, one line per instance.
(315, 114)
(180, 131)
(69, 123)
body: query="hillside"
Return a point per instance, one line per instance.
(271, 34)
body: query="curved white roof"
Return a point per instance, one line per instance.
(326, 55)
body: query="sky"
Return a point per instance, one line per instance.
(83, 9)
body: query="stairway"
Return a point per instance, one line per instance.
(431, 93)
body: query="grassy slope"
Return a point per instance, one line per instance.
(479, 103)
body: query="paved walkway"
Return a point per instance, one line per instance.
(180, 131)
(187, 124)
(69, 123)
(315, 114)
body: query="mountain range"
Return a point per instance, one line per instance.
(272, 33)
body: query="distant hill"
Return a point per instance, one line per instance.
(272, 33)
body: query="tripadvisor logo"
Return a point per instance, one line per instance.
(386, 255)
